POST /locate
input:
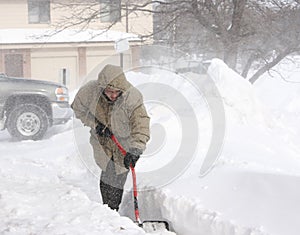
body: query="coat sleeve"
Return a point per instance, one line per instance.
(80, 106)
(140, 130)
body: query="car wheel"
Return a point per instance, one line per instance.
(27, 122)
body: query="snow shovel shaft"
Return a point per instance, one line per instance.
(148, 226)
(135, 194)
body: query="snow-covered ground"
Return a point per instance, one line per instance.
(51, 186)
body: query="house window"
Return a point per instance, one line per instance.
(110, 10)
(38, 11)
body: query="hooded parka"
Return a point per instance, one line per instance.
(126, 117)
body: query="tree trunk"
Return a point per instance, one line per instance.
(230, 55)
(248, 64)
(270, 65)
(232, 35)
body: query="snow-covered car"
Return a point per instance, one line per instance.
(29, 107)
(188, 65)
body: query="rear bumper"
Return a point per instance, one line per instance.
(61, 113)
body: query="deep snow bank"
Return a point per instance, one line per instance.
(45, 189)
(253, 188)
(234, 201)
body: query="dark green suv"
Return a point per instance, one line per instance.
(29, 107)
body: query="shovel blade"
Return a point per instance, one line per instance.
(154, 226)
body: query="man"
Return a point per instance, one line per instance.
(112, 105)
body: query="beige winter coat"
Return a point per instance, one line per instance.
(126, 117)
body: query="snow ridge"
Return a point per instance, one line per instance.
(190, 217)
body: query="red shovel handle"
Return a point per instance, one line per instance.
(123, 151)
(135, 194)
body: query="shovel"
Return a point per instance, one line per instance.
(148, 225)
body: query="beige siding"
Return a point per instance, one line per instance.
(96, 55)
(138, 24)
(46, 61)
(141, 23)
(61, 13)
(97, 58)
(48, 65)
(14, 14)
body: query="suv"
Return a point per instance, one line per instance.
(28, 107)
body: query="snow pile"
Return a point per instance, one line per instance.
(47, 188)
(41, 192)
(248, 190)
(254, 185)
(237, 93)
(279, 92)
(250, 126)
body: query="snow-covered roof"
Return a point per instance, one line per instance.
(29, 36)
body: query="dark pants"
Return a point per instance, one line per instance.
(112, 186)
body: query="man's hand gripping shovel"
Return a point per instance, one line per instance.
(149, 225)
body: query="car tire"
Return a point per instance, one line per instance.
(27, 122)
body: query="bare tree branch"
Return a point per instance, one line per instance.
(254, 33)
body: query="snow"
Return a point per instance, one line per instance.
(19, 36)
(51, 186)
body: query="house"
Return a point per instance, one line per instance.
(33, 44)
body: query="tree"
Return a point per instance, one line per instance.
(281, 40)
(249, 35)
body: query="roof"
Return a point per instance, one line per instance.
(29, 36)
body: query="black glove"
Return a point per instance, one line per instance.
(103, 130)
(131, 157)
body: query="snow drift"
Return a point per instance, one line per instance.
(47, 188)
